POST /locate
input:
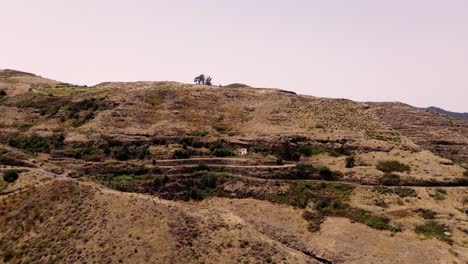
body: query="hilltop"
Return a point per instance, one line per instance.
(449, 113)
(172, 172)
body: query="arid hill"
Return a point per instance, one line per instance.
(166, 172)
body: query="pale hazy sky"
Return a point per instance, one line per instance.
(414, 51)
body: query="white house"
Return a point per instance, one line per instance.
(242, 151)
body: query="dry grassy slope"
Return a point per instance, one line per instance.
(168, 108)
(69, 221)
(247, 113)
(443, 135)
(65, 221)
(141, 110)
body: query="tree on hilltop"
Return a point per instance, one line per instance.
(202, 79)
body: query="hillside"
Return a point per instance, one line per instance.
(438, 110)
(166, 172)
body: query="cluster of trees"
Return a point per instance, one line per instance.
(202, 79)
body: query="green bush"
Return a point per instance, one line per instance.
(392, 166)
(10, 176)
(199, 133)
(36, 143)
(223, 152)
(325, 172)
(265, 150)
(433, 229)
(390, 179)
(308, 150)
(405, 192)
(314, 219)
(350, 161)
(181, 154)
(303, 171)
(440, 194)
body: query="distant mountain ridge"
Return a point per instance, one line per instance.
(438, 110)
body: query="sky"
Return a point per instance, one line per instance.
(413, 51)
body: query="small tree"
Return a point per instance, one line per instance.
(200, 79)
(208, 81)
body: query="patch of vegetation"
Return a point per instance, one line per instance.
(10, 176)
(433, 229)
(9, 254)
(196, 186)
(338, 208)
(315, 219)
(34, 143)
(199, 133)
(308, 150)
(427, 214)
(63, 91)
(389, 179)
(125, 183)
(243, 243)
(223, 152)
(350, 161)
(119, 169)
(124, 150)
(301, 193)
(400, 191)
(83, 111)
(405, 192)
(265, 150)
(465, 173)
(439, 194)
(181, 154)
(201, 167)
(303, 171)
(392, 166)
(325, 172)
(2, 93)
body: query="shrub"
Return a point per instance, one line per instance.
(201, 167)
(426, 213)
(390, 179)
(350, 161)
(35, 143)
(9, 254)
(433, 229)
(181, 154)
(199, 133)
(439, 194)
(309, 150)
(279, 161)
(314, 219)
(2, 93)
(121, 153)
(265, 150)
(243, 243)
(392, 166)
(303, 171)
(223, 152)
(10, 176)
(405, 192)
(325, 172)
